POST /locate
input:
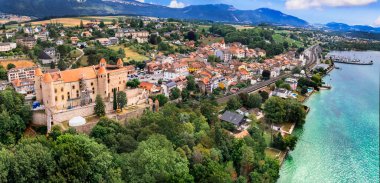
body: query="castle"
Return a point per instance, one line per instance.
(68, 89)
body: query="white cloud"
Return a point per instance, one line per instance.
(176, 4)
(306, 4)
(141, 1)
(377, 22)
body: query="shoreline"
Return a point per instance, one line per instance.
(330, 69)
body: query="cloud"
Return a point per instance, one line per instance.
(306, 4)
(377, 22)
(141, 1)
(176, 4)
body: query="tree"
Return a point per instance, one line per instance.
(33, 162)
(99, 106)
(192, 36)
(81, 24)
(290, 141)
(274, 110)
(286, 86)
(264, 95)
(114, 99)
(304, 90)
(3, 73)
(233, 104)
(266, 74)
(254, 101)
(52, 65)
(155, 160)
(162, 99)
(81, 159)
(121, 99)
(185, 94)
(101, 24)
(295, 112)
(191, 86)
(134, 83)
(62, 65)
(14, 116)
(11, 66)
(114, 21)
(115, 136)
(175, 93)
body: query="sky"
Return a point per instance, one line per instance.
(353, 12)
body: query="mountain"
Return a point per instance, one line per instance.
(214, 12)
(334, 26)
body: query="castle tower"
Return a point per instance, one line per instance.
(102, 79)
(37, 83)
(103, 63)
(48, 90)
(120, 63)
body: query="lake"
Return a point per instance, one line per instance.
(340, 139)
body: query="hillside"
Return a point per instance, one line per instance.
(215, 12)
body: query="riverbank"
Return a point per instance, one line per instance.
(339, 141)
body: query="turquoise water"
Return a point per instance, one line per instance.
(340, 140)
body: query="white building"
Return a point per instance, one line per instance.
(7, 46)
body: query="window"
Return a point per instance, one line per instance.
(63, 97)
(92, 84)
(62, 89)
(73, 87)
(68, 95)
(55, 90)
(56, 99)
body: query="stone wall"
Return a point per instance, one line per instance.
(39, 118)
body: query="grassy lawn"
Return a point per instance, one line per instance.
(280, 39)
(74, 54)
(211, 40)
(273, 153)
(287, 126)
(130, 54)
(84, 61)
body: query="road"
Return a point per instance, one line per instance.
(313, 58)
(76, 59)
(253, 88)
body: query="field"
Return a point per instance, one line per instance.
(211, 40)
(273, 153)
(130, 54)
(75, 21)
(17, 63)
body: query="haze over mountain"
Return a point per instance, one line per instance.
(215, 12)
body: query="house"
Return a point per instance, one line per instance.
(74, 40)
(48, 56)
(7, 46)
(150, 88)
(103, 41)
(232, 117)
(281, 92)
(113, 40)
(167, 87)
(10, 35)
(21, 73)
(292, 82)
(243, 111)
(28, 42)
(59, 42)
(82, 45)
(86, 34)
(24, 86)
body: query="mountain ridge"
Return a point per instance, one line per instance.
(212, 12)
